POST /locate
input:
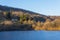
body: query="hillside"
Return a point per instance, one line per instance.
(8, 9)
(19, 19)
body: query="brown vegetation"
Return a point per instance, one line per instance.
(27, 22)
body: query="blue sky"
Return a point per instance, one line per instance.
(46, 7)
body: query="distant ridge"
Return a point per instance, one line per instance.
(7, 8)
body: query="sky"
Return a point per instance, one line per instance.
(46, 7)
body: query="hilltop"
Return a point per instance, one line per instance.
(34, 14)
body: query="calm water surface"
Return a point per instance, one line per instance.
(30, 35)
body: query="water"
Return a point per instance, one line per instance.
(30, 35)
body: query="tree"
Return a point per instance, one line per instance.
(8, 15)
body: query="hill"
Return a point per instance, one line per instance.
(33, 14)
(19, 19)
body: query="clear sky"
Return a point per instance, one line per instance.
(46, 7)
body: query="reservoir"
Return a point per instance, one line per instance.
(30, 35)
